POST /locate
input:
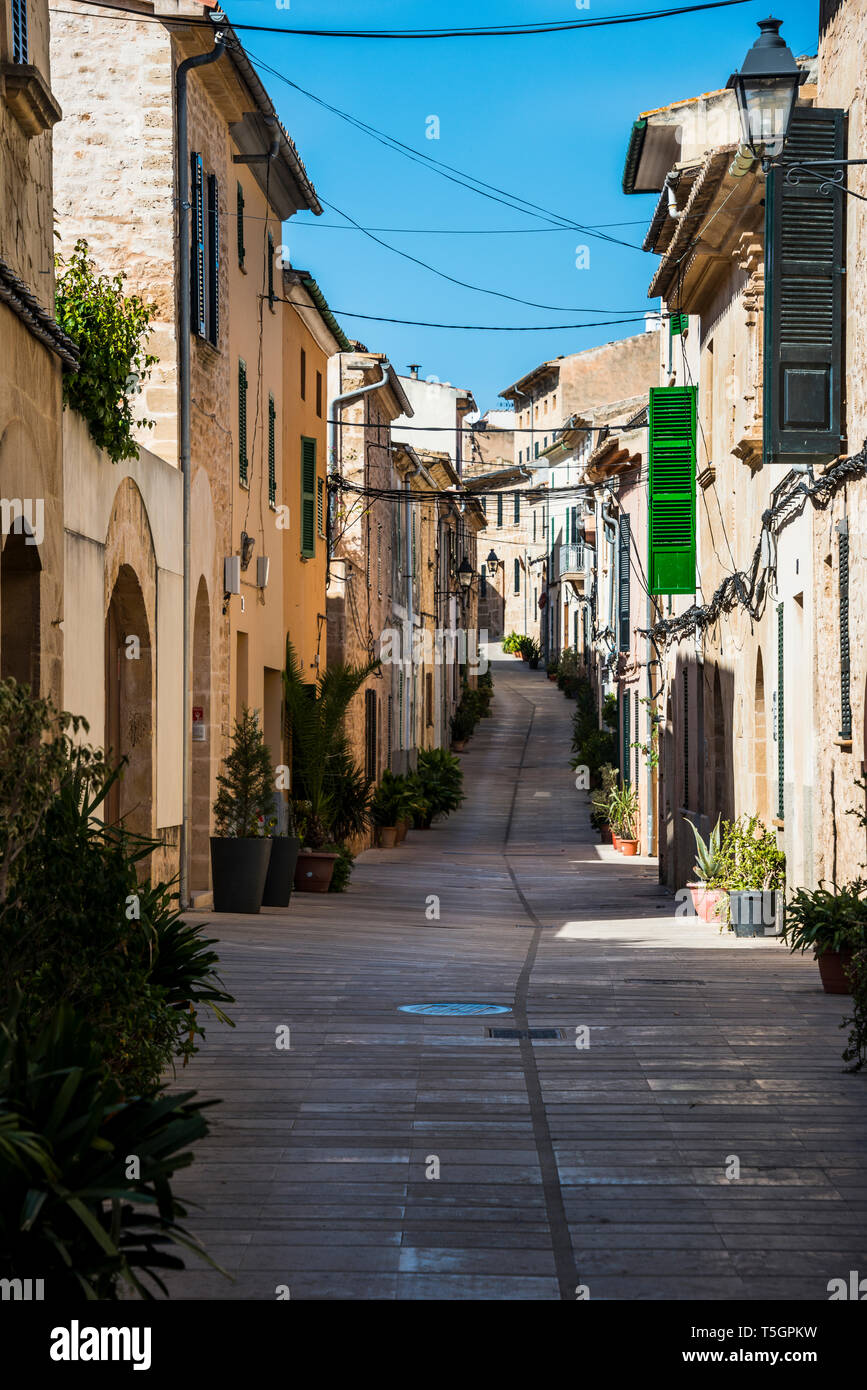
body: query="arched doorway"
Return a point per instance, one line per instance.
(760, 742)
(129, 704)
(200, 812)
(20, 609)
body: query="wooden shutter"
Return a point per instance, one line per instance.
(320, 506)
(781, 723)
(20, 45)
(499, 509)
(197, 247)
(272, 452)
(370, 739)
(624, 726)
(678, 325)
(242, 421)
(240, 224)
(686, 737)
(270, 270)
(845, 688)
(517, 576)
(517, 507)
(308, 497)
(483, 582)
(671, 525)
(624, 584)
(213, 260)
(804, 298)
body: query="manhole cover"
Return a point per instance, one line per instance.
(531, 1033)
(454, 1009)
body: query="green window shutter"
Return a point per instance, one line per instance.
(272, 452)
(678, 325)
(499, 509)
(242, 421)
(270, 270)
(517, 576)
(804, 298)
(240, 224)
(517, 507)
(624, 583)
(845, 689)
(197, 246)
(213, 260)
(671, 501)
(781, 722)
(320, 506)
(624, 727)
(308, 497)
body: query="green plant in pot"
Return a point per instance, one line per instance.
(753, 871)
(832, 923)
(440, 783)
(600, 801)
(315, 719)
(243, 815)
(708, 901)
(389, 807)
(623, 815)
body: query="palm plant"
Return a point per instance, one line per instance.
(315, 721)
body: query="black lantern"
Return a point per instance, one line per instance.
(465, 574)
(493, 562)
(766, 88)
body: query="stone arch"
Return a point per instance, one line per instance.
(201, 788)
(129, 696)
(21, 606)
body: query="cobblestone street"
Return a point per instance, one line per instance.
(559, 1165)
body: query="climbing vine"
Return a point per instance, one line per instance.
(109, 329)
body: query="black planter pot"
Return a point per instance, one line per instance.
(239, 868)
(281, 871)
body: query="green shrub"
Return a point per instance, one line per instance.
(856, 1045)
(395, 799)
(827, 919)
(245, 802)
(70, 1213)
(350, 795)
(512, 643)
(343, 866)
(749, 857)
(441, 783)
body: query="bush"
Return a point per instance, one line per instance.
(245, 802)
(749, 857)
(343, 866)
(827, 919)
(395, 799)
(512, 643)
(69, 1211)
(441, 783)
(349, 794)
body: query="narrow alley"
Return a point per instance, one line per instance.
(390, 1154)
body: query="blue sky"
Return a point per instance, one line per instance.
(546, 117)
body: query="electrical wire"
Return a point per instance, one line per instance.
(472, 327)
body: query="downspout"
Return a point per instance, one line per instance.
(184, 207)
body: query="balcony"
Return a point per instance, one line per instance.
(574, 563)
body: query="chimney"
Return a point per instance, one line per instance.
(414, 369)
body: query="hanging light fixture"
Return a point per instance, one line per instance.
(493, 562)
(766, 87)
(465, 574)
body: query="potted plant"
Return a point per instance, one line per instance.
(440, 782)
(387, 808)
(599, 802)
(832, 923)
(316, 726)
(752, 870)
(243, 814)
(531, 652)
(551, 670)
(285, 845)
(707, 899)
(625, 819)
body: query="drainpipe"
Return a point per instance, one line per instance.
(201, 60)
(338, 401)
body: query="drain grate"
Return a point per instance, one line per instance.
(531, 1033)
(455, 1009)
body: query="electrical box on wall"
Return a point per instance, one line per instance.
(232, 574)
(263, 569)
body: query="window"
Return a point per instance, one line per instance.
(204, 252)
(319, 394)
(499, 509)
(272, 453)
(536, 449)
(303, 383)
(320, 506)
(428, 699)
(239, 221)
(517, 576)
(534, 523)
(484, 502)
(625, 634)
(308, 497)
(483, 582)
(213, 260)
(19, 31)
(371, 769)
(270, 271)
(517, 507)
(242, 421)
(520, 455)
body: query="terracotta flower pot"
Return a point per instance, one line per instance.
(628, 847)
(402, 827)
(314, 870)
(605, 834)
(387, 836)
(517, 656)
(615, 839)
(458, 745)
(552, 676)
(831, 965)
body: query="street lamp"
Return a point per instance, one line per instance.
(493, 562)
(766, 87)
(465, 574)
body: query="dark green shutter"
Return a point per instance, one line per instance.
(671, 524)
(240, 220)
(624, 584)
(518, 578)
(781, 721)
(686, 737)
(517, 507)
(270, 270)
(804, 298)
(845, 689)
(213, 260)
(197, 249)
(242, 421)
(624, 727)
(272, 452)
(308, 497)
(499, 509)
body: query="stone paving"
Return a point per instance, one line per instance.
(559, 1166)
